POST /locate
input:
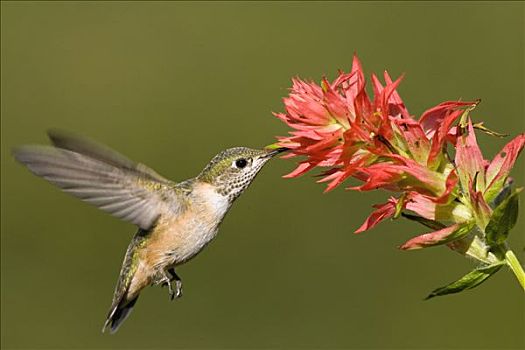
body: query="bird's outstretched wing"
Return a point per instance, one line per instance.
(103, 177)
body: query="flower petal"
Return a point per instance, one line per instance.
(499, 168)
(442, 236)
(396, 103)
(382, 212)
(481, 210)
(414, 137)
(440, 136)
(421, 205)
(302, 168)
(431, 119)
(469, 160)
(450, 185)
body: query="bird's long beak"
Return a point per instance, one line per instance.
(276, 151)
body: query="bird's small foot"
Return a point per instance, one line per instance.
(178, 283)
(177, 293)
(171, 292)
(178, 289)
(166, 282)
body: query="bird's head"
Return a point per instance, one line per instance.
(232, 170)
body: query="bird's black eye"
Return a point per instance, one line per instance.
(241, 163)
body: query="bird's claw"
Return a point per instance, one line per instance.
(173, 294)
(178, 289)
(170, 291)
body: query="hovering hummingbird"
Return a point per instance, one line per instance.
(175, 220)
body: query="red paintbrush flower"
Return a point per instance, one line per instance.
(332, 121)
(338, 127)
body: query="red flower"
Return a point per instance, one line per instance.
(336, 126)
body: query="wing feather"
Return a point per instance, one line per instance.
(92, 149)
(102, 177)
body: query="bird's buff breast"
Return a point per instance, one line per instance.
(175, 240)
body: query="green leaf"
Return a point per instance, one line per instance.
(503, 219)
(469, 281)
(503, 194)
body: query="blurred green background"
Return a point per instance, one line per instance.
(172, 83)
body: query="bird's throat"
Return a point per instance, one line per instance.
(211, 200)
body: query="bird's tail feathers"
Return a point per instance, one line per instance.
(118, 314)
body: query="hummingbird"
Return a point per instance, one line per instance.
(175, 220)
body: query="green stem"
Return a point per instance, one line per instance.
(516, 267)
